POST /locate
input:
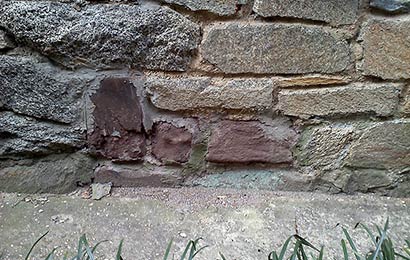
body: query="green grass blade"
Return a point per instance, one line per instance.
(222, 256)
(199, 250)
(284, 248)
(372, 237)
(90, 255)
(34, 245)
(119, 251)
(344, 247)
(321, 254)
(168, 250)
(305, 242)
(352, 244)
(188, 246)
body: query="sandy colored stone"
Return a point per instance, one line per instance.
(386, 48)
(335, 12)
(383, 145)
(274, 48)
(203, 93)
(307, 81)
(378, 99)
(219, 7)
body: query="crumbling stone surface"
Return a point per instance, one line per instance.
(274, 48)
(250, 141)
(223, 8)
(37, 89)
(199, 93)
(391, 6)
(380, 99)
(5, 41)
(52, 174)
(25, 135)
(117, 115)
(103, 35)
(335, 12)
(171, 143)
(385, 48)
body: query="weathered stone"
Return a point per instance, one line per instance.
(100, 190)
(203, 93)
(37, 89)
(365, 180)
(405, 106)
(171, 143)
(306, 81)
(117, 129)
(54, 174)
(384, 145)
(335, 12)
(20, 134)
(381, 100)
(102, 35)
(385, 48)
(139, 177)
(224, 7)
(247, 142)
(5, 42)
(324, 147)
(274, 48)
(391, 6)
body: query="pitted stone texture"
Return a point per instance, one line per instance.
(171, 143)
(405, 108)
(117, 131)
(251, 141)
(386, 49)
(324, 147)
(391, 6)
(39, 90)
(335, 12)
(384, 145)
(137, 177)
(274, 48)
(5, 42)
(202, 93)
(314, 81)
(219, 7)
(52, 174)
(368, 180)
(102, 35)
(24, 135)
(381, 100)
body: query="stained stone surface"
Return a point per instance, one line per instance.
(379, 99)
(384, 145)
(5, 41)
(274, 48)
(25, 135)
(202, 93)
(391, 6)
(251, 141)
(37, 89)
(335, 12)
(385, 48)
(171, 143)
(219, 7)
(117, 128)
(102, 35)
(52, 174)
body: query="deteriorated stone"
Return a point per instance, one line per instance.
(138, 177)
(24, 135)
(306, 81)
(391, 6)
(381, 100)
(386, 49)
(365, 180)
(117, 131)
(251, 141)
(5, 42)
(274, 48)
(335, 12)
(52, 174)
(171, 143)
(202, 93)
(39, 90)
(219, 7)
(382, 146)
(324, 147)
(102, 35)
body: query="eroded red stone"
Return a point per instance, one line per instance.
(171, 143)
(117, 132)
(249, 142)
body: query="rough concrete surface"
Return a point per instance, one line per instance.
(241, 224)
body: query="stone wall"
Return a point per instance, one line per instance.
(309, 95)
